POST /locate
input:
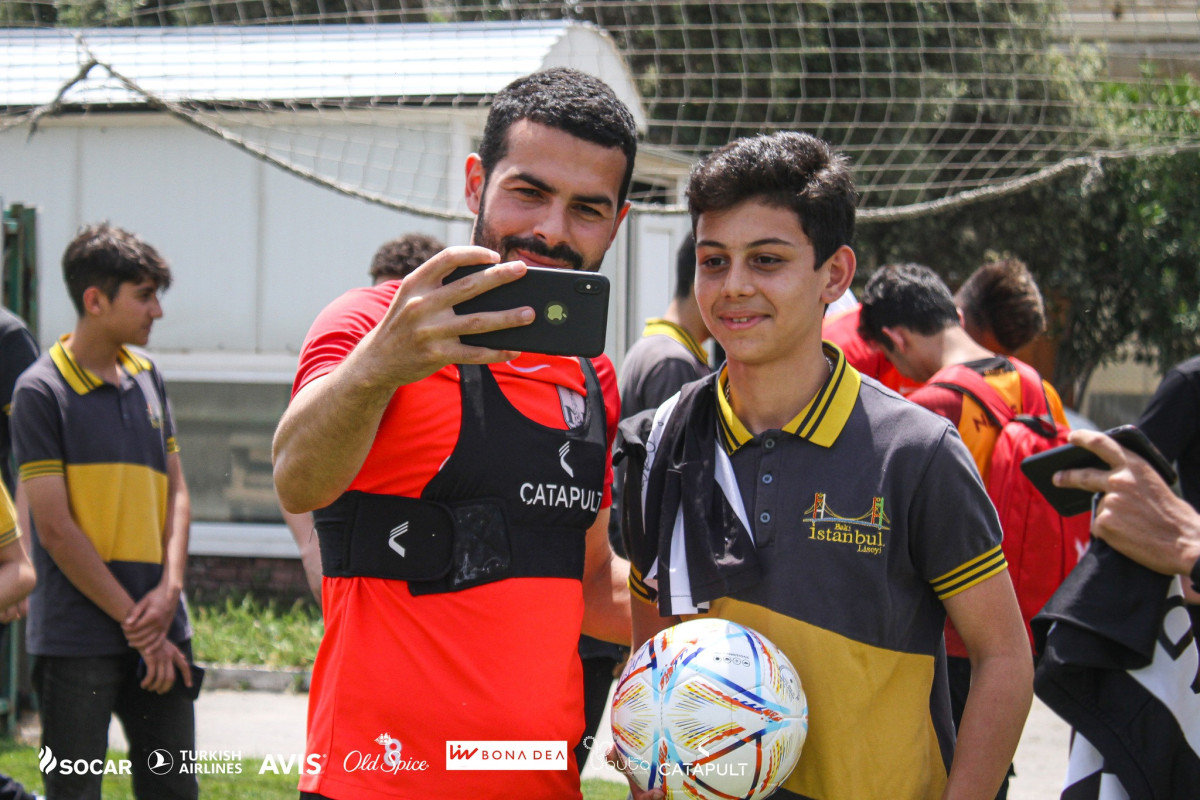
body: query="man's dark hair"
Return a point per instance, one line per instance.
(796, 171)
(905, 295)
(1002, 297)
(398, 257)
(105, 256)
(569, 100)
(685, 267)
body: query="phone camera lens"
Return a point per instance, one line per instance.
(588, 286)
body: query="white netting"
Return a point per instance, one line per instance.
(936, 102)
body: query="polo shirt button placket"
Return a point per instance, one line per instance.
(123, 405)
(765, 495)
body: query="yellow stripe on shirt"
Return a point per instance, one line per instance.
(971, 573)
(121, 507)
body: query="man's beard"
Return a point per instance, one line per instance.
(483, 236)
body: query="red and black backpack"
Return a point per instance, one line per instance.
(1040, 545)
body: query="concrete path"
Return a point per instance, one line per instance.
(252, 723)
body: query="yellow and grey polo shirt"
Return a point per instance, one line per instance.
(866, 512)
(109, 443)
(665, 358)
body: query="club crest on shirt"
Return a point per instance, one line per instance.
(154, 416)
(866, 532)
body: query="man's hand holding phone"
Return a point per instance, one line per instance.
(1138, 514)
(570, 309)
(1069, 499)
(420, 332)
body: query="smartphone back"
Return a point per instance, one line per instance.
(1040, 468)
(570, 308)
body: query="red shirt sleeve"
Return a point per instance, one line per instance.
(842, 330)
(339, 328)
(940, 400)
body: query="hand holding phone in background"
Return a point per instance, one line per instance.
(1040, 468)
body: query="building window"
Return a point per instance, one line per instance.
(224, 432)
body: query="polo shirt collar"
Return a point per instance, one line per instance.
(656, 326)
(821, 421)
(82, 379)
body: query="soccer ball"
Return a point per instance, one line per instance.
(709, 709)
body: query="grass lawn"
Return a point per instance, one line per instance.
(247, 630)
(22, 763)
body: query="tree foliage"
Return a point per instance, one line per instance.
(921, 94)
(1116, 251)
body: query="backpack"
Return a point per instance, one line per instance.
(1040, 545)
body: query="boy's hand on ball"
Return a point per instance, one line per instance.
(614, 760)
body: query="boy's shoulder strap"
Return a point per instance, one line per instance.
(963, 379)
(1033, 393)
(1035, 408)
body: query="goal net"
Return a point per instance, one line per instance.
(937, 103)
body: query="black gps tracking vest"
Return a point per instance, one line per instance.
(514, 499)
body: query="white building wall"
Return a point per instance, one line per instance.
(255, 252)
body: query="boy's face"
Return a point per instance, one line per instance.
(756, 285)
(551, 201)
(128, 317)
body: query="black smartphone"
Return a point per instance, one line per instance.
(1040, 468)
(571, 311)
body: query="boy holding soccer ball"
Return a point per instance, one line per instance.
(792, 495)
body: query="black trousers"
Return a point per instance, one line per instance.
(77, 698)
(597, 680)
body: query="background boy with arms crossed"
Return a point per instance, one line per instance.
(95, 443)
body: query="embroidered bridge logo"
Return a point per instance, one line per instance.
(865, 532)
(396, 533)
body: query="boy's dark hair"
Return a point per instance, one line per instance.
(105, 256)
(908, 295)
(398, 257)
(685, 267)
(569, 100)
(1002, 297)
(789, 170)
